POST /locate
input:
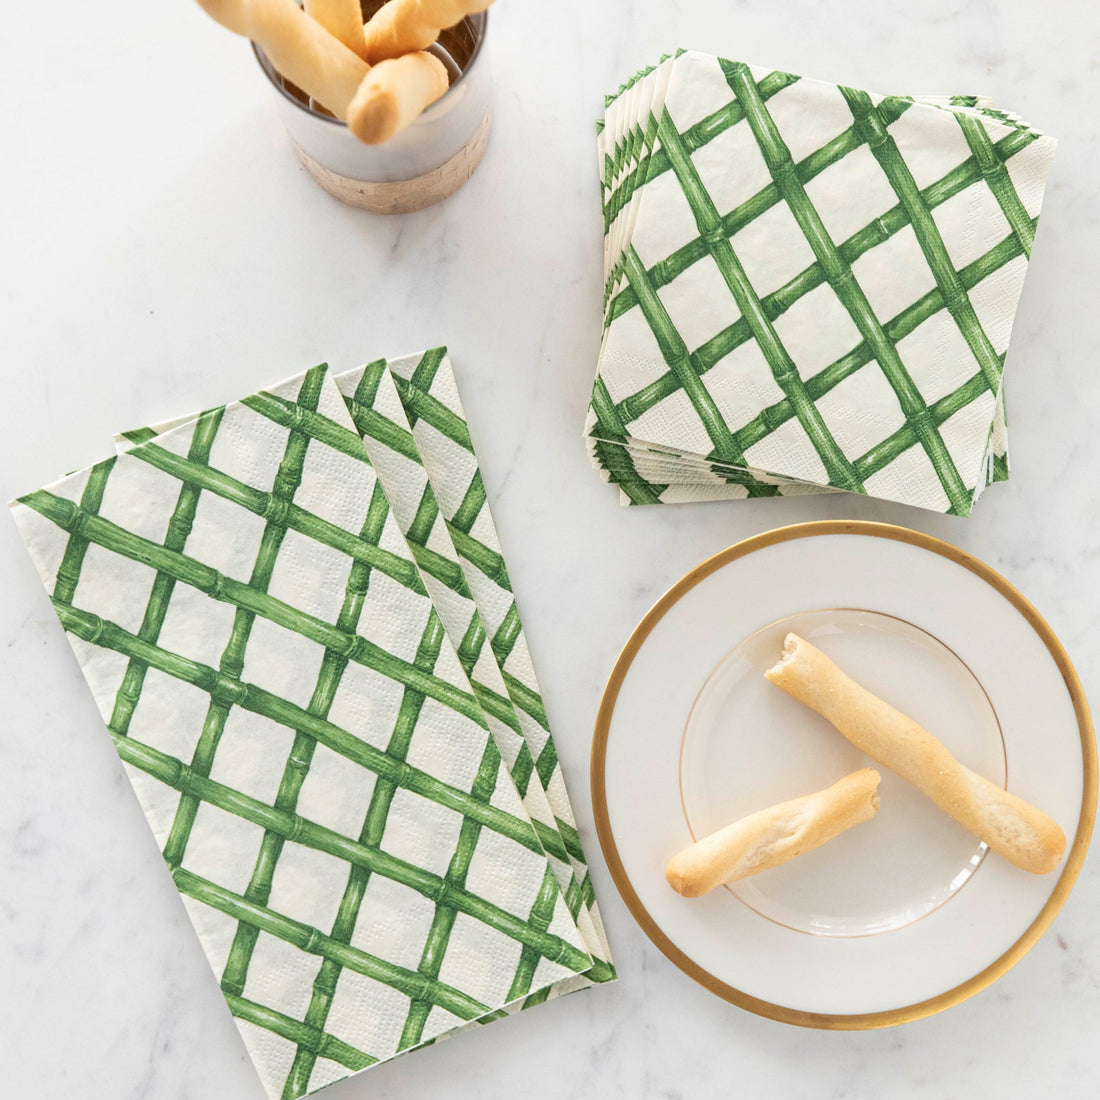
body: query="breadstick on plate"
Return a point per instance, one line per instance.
(401, 26)
(1009, 825)
(343, 19)
(773, 836)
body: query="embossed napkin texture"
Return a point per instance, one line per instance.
(808, 288)
(342, 791)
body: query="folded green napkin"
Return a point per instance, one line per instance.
(413, 427)
(338, 787)
(808, 288)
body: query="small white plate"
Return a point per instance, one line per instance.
(903, 915)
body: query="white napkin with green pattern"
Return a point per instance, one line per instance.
(323, 736)
(413, 427)
(808, 288)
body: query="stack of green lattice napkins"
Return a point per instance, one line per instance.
(807, 287)
(296, 621)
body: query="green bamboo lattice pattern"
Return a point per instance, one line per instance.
(335, 759)
(375, 405)
(781, 270)
(429, 396)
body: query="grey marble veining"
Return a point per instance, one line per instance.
(163, 251)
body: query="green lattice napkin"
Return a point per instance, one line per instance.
(808, 288)
(409, 403)
(337, 816)
(413, 426)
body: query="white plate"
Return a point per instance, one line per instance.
(903, 915)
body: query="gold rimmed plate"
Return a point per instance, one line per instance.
(906, 914)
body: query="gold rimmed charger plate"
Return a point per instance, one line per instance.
(881, 568)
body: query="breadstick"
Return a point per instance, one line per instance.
(299, 47)
(343, 19)
(1007, 823)
(773, 836)
(394, 93)
(401, 26)
(376, 103)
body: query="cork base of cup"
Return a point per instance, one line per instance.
(404, 196)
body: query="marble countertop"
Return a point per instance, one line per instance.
(163, 251)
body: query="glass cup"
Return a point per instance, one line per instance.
(422, 165)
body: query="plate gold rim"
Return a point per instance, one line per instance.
(1074, 860)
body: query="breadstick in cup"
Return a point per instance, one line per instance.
(342, 19)
(401, 26)
(376, 103)
(394, 93)
(1009, 825)
(301, 49)
(775, 835)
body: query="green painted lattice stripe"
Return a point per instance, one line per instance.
(178, 789)
(1002, 152)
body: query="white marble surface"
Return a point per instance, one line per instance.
(162, 251)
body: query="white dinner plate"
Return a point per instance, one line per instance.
(903, 915)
